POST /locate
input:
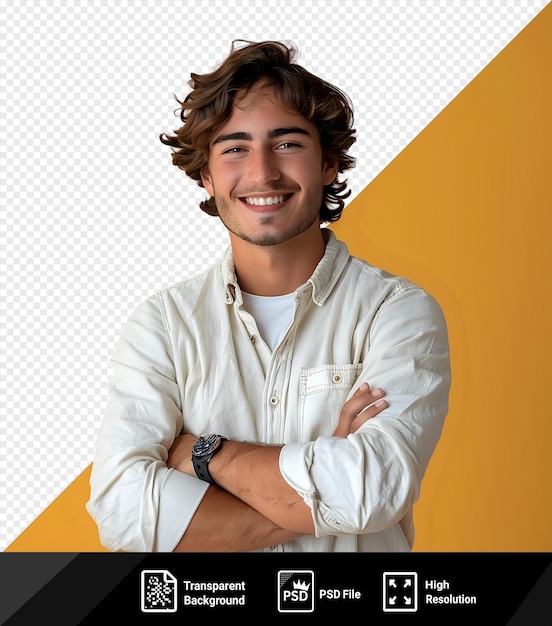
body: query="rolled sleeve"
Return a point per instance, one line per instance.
(179, 500)
(138, 503)
(370, 480)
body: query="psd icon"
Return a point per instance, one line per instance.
(295, 591)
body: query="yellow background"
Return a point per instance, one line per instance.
(466, 212)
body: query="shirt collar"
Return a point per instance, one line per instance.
(330, 268)
(322, 281)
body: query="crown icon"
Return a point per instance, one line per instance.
(301, 585)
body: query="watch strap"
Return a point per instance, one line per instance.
(201, 467)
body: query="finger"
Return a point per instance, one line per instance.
(368, 413)
(363, 397)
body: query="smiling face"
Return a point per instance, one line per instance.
(266, 171)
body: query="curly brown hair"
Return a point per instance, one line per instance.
(209, 105)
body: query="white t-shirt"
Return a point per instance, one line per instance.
(273, 315)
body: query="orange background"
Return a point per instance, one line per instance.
(465, 210)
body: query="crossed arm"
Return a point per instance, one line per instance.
(255, 507)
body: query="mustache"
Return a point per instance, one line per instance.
(277, 189)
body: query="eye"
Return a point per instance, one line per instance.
(287, 145)
(233, 150)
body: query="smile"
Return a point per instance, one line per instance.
(267, 201)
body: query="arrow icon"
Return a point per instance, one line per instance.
(400, 592)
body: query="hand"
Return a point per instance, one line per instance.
(362, 406)
(180, 454)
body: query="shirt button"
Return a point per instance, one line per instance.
(253, 339)
(337, 378)
(274, 401)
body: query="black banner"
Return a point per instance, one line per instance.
(508, 589)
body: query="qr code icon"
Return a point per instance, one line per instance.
(158, 591)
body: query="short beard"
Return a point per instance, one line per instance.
(268, 238)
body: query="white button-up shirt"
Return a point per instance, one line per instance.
(190, 359)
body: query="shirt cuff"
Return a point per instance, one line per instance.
(298, 470)
(295, 464)
(180, 498)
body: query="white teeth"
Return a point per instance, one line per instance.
(265, 201)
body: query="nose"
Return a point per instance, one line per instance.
(263, 167)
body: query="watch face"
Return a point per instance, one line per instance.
(206, 444)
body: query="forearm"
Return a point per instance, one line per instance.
(251, 473)
(223, 523)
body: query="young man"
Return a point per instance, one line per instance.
(290, 397)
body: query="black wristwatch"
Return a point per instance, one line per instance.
(203, 451)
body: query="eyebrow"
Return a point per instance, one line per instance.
(291, 130)
(277, 132)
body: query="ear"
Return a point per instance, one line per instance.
(330, 168)
(207, 180)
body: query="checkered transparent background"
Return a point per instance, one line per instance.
(95, 217)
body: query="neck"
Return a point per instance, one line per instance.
(280, 269)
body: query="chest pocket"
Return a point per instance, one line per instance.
(322, 394)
